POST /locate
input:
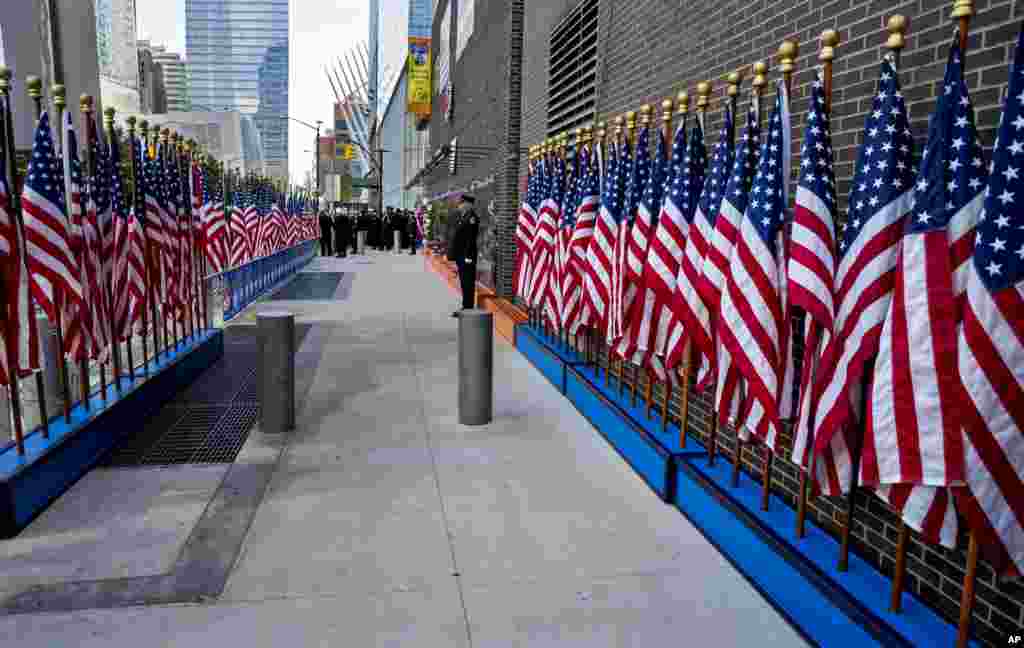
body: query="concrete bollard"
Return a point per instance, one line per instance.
(397, 248)
(361, 242)
(476, 367)
(277, 370)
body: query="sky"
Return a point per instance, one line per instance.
(320, 31)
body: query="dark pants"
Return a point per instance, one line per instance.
(467, 279)
(325, 245)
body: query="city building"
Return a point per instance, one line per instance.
(152, 92)
(229, 136)
(175, 73)
(117, 54)
(405, 149)
(25, 53)
(237, 53)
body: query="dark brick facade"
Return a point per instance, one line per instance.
(651, 49)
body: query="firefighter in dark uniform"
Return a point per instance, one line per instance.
(410, 232)
(464, 250)
(325, 232)
(341, 234)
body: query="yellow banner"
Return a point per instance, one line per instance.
(418, 91)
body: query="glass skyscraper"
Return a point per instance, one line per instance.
(237, 54)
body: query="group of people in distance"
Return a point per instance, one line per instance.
(339, 230)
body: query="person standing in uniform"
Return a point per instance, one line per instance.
(410, 232)
(464, 250)
(341, 235)
(325, 233)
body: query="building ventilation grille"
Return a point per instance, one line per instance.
(572, 69)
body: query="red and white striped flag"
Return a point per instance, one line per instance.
(19, 332)
(600, 278)
(50, 258)
(753, 326)
(719, 254)
(914, 433)
(666, 249)
(526, 229)
(635, 229)
(991, 349)
(693, 319)
(576, 313)
(543, 248)
(812, 260)
(879, 201)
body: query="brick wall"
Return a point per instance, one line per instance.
(650, 49)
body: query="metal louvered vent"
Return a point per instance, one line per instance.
(572, 69)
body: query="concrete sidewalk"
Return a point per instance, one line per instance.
(385, 522)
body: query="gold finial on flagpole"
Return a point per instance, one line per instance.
(630, 125)
(645, 115)
(734, 79)
(703, 92)
(59, 96)
(760, 76)
(683, 103)
(618, 127)
(5, 80)
(829, 40)
(666, 110)
(963, 8)
(897, 27)
(108, 117)
(34, 86)
(787, 54)
(85, 103)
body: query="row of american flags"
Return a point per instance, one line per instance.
(110, 248)
(910, 304)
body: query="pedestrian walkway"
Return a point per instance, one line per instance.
(381, 521)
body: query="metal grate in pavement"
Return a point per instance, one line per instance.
(186, 437)
(310, 286)
(229, 435)
(210, 420)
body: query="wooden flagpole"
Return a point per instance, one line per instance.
(682, 110)
(732, 92)
(760, 70)
(631, 141)
(85, 104)
(788, 52)
(59, 102)
(962, 12)
(829, 41)
(107, 279)
(703, 91)
(666, 136)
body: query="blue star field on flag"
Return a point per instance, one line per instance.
(816, 173)
(721, 164)
(766, 209)
(44, 172)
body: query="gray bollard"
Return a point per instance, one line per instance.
(361, 242)
(476, 367)
(277, 370)
(397, 248)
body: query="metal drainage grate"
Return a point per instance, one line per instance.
(250, 393)
(186, 437)
(229, 435)
(131, 451)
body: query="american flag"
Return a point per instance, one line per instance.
(215, 228)
(253, 221)
(812, 258)
(671, 340)
(157, 232)
(124, 272)
(588, 192)
(19, 334)
(563, 260)
(624, 171)
(240, 252)
(172, 226)
(97, 268)
(542, 250)
(991, 347)
(716, 261)
(664, 252)
(752, 325)
(52, 265)
(693, 318)
(601, 252)
(879, 201)
(644, 227)
(77, 315)
(629, 257)
(914, 432)
(526, 229)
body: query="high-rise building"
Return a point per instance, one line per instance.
(238, 59)
(117, 54)
(175, 73)
(152, 93)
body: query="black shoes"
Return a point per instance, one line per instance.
(456, 314)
